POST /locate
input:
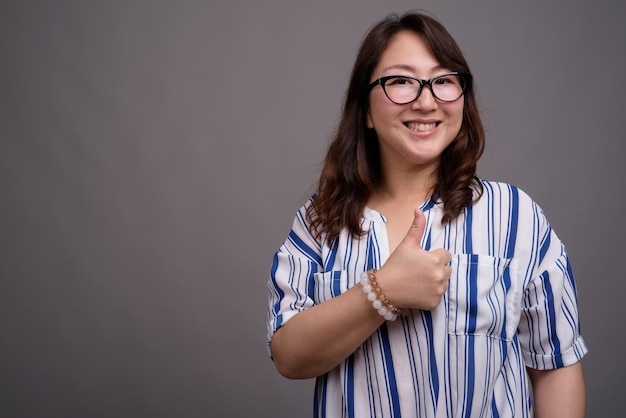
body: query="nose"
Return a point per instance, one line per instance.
(425, 100)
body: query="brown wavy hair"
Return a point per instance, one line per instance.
(352, 168)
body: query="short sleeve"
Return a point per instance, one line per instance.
(549, 328)
(291, 282)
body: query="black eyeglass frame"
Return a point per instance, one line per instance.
(465, 80)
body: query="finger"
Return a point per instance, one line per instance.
(444, 256)
(416, 231)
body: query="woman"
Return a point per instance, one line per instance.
(407, 286)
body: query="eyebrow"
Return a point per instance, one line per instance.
(410, 68)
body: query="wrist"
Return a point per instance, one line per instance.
(376, 296)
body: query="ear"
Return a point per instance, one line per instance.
(368, 120)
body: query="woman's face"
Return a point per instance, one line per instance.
(412, 136)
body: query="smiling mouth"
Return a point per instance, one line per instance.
(421, 127)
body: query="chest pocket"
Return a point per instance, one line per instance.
(329, 284)
(484, 297)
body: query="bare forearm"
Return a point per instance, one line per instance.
(318, 339)
(559, 392)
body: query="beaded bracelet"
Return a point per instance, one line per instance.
(375, 295)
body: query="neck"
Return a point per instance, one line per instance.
(412, 186)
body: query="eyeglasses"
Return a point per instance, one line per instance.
(402, 89)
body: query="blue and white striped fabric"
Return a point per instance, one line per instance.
(511, 304)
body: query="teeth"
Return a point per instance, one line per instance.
(421, 126)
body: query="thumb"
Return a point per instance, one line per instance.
(416, 231)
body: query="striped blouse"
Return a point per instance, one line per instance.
(511, 304)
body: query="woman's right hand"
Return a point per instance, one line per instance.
(412, 277)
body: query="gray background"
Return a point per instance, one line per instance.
(153, 154)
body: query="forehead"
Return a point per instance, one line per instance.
(408, 51)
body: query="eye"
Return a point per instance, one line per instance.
(446, 80)
(401, 81)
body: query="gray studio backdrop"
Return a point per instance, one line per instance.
(153, 154)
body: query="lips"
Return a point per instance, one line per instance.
(420, 126)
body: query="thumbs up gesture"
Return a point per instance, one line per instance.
(412, 277)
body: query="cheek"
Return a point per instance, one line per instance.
(456, 113)
(380, 114)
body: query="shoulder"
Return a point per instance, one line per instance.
(507, 198)
(304, 214)
(504, 190)
(301, 240)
